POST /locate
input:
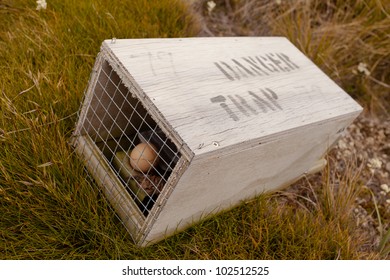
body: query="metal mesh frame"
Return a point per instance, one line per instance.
(114, 122)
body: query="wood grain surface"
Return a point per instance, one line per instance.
(217, 92)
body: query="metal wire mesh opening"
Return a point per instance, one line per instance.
(134, 146)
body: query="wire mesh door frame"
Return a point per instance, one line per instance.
(114, 119)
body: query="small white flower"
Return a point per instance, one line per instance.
(374, 163)
(385, 188)
(41, 4)
(210, 6)
(362, 68)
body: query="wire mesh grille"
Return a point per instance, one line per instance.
(134, 146)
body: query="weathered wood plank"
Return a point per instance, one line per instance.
(230, 90)
(214, 184)
(110, 185)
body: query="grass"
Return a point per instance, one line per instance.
(384, 236)
(51, 209)
(328, 33)
(314, 226)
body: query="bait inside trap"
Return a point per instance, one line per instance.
(117, 123)
(175, 130)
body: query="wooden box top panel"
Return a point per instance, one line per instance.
(219, 92)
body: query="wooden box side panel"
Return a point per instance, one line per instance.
(110, 185)
(218, 183)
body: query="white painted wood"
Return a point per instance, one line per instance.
(248, 115)
(109, 183)
(218, 183)
(182, 79)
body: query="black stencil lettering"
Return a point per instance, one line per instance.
(288, 61)
(270, 65)
(272, 98)
(247, 67)
(217, 99)
(274, 95)
(231, 69)
(256, 68)
(275, 61)
(223, 71)
(246, 105)
(243, 67)
(241, 103)
(258, 102)
(242, 73)
(267, 104)
(239, 106)
(263, 64)
(230, 112)
(221, 100)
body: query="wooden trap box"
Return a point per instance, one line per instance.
(222, 120)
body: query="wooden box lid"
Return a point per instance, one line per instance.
(219, 92)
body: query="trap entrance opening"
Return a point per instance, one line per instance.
(118, 124)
